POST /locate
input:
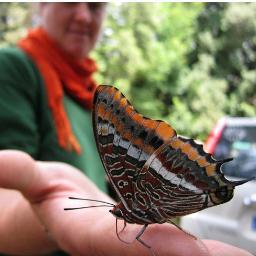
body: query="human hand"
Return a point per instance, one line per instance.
(47, 186)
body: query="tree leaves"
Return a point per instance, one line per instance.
(186, 63)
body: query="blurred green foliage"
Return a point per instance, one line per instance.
(14, 21)
(186, 63)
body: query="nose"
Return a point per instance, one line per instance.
(82, 13)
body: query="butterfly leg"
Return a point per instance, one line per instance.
(184, 231)
(141, 232)
(136, 238)
(118, 233)
(142, 242)
(123, 227)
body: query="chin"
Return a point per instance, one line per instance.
(77, 52)
(78, 49)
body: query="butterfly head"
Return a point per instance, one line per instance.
(117, 212)
(120, 212)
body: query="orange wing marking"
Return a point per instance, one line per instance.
(165, 132)
(193, 154)
(211, 170)
(202, 162)
(176, 143)
(101, 110)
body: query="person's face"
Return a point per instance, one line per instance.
(74, 26)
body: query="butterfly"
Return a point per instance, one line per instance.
(156, 174)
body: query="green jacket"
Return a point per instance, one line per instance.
(26, 121)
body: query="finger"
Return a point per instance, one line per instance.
(219, 249)
(172, 241)
(38, 179)
(164, 240)
(17, 170)
(20, 172)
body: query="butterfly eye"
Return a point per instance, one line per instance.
(117, 213)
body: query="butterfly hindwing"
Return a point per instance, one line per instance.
(177, 179)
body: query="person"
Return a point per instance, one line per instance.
(47, 88)
(48, 153)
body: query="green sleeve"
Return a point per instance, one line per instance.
(18, 101)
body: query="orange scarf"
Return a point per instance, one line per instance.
(61, 73)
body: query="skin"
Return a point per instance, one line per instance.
(39, 197)
(74, 26)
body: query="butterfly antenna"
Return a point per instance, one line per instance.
(84, 207)
(91, 200)
(105, 204)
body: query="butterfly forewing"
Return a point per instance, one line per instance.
(125, 139)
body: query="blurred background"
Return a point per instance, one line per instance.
(186, 63)
(194, 66)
